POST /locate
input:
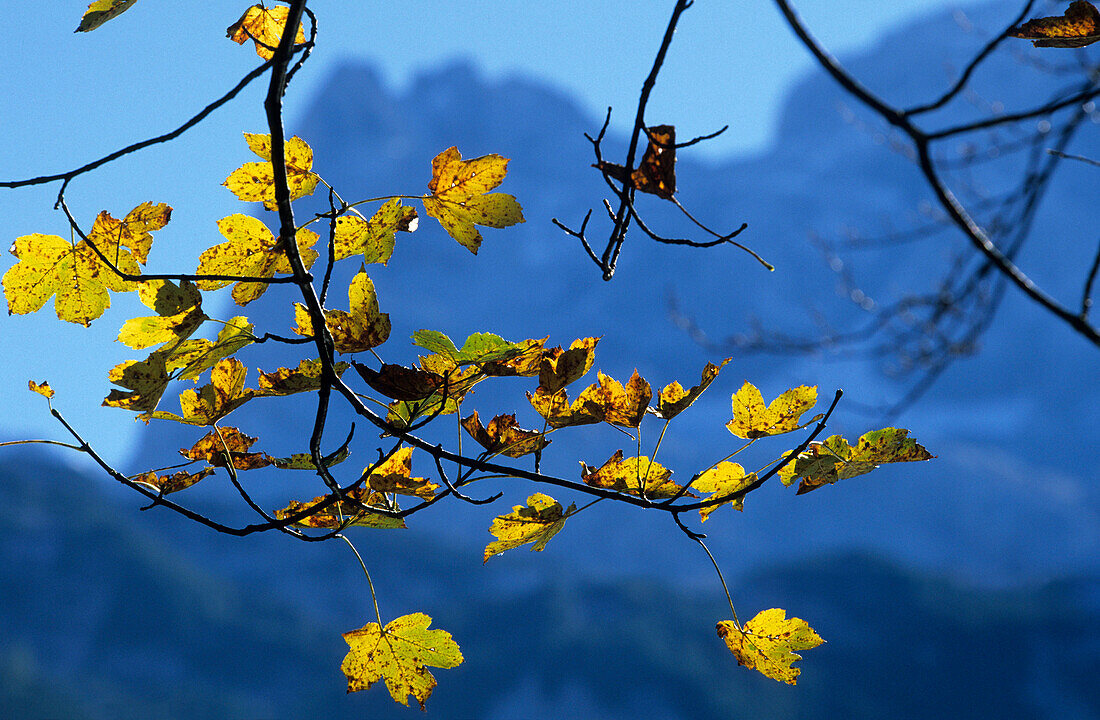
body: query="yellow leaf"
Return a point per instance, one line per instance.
(250, 251)
(373, 238)
(361, 329)
(213, 446)
(42, 389)
(199, 355)
(635, 476)
(305, 378)
(133, 232)
(394, 475)
(559, 368)
(101, 11)
(751, 419)
(541, 519)
(145, 382)
(400, 654)
(1077, 27)
(826, 462)
(768, 643)
(264, 26)
(721, 480)
(458, 196)
(673, 399)
(615, 404)
(255, 181)
(175, 482)
(179, 315)
(555, 408)
(222, 395)
(503, 436)
(355, 512)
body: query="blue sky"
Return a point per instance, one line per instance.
(70, 98)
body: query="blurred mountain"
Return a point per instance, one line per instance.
(1010, 497)
(114, 614)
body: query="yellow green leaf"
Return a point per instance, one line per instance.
(305, 378)
(721, 480)
(503, 436)
(145, 382)
(834, 459)
(673, 399)
(373, 238)
(179, 315)
(361, 329)
(264, 26)
(610, 401)
(768, 642)
(222, 395)
(255, 181)
(399, 654)
(541, 519)
(635, 476)
(458, 196)
(752, 419)
(101, 11)
(1077, 27)
(394, 475)
(42, 389)
(50, 265)
(250, 251)
(356, 511)
(196, 356)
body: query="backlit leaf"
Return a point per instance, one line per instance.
(613, 403)
(101, 11)
(401, 383)
(721, 480)
(361, 329)
(559, 368)
(673, 399)
(635, 476)
(264, 26)
(304, 461)
(823, 463)
(222, 395)
(179, 315)
(175, 482)
(541, 519)
(285, 381)
(255, 181)
(373, 238)
(212, 448)
(394, 475)
(558, 412)
(504, 437)
(768, 643)
(1077, 27)
(656, 174)
(250, 251)
(196, 356)
(144, 381)
(355, 512)
(399, 654)
(42, 389)
(458, 196)
(752, 419)
(133, 232)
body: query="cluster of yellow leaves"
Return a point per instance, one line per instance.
(399, 654)
(768, 642)
(76, 274)
(1077, 27)
(826, 462)
(264, 26)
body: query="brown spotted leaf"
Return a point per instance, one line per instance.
(1077, 27)
(374, 238)
(656, 174)
(255, 181)
(250, 250)
(768, 642)
(538, 521)
(363, 328)
(264, 26)
(723, 479)
(559, 368)
(213, 446)
(823, 463)
(460, 197)
(394, 475)
(399, 382)
(503, 436)
(752, 419)
(175, 482)
(634, 476)
(304, 378)
(614, 403)
(356, 511)
(673, 399)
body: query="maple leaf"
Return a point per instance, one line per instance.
(166, 484)
(394, 475)
(255, 181)
(525, 364)
(361, 329)
(264, 26)
(343, 514)
(400, 654)
(478, 349)
(49, 265)
(213, 446)
(100, 12)
(305, 378)
(373, 238)
(198, 355)
(503, 436)
(401, 383)
(558, 412)
(179, 314)
(460, 197)
(610, 401)
(824, 463)
(752, 419)
(1077, 27)
(222, 395)
(635, 476)
(250, 251)
(673, 399)
(42, 388)
(559, 368)
(145, 382)
(541, 519)
(304, 461)
(656, 174)
(768, 642)
(721, 480)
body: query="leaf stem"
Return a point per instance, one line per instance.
(370, 584)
